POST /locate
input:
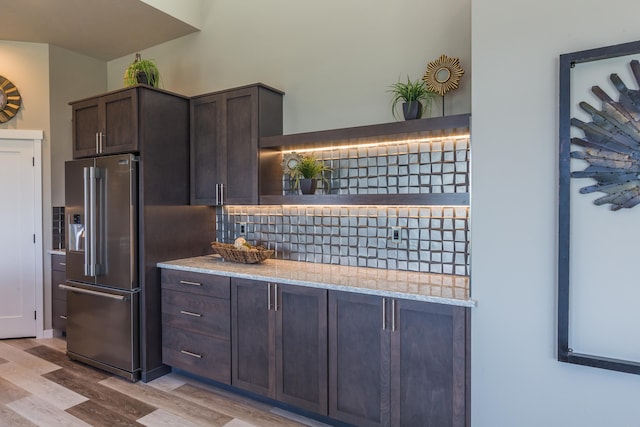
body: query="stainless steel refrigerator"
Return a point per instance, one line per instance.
(103, 293)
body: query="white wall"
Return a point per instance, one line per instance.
(73, 76)
(334, 59)
(48, 78)
(516, 380)
(26, 65)
(193, 12)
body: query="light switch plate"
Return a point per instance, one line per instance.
(396, 234)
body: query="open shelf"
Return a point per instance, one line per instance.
(422, 130)
(433, 199)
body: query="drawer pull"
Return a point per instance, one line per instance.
(190, 313)
(187, 282)
(62, 264)
(63, 317)
(188, 353)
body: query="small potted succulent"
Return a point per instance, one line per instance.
(142, 71)
(305, 171)
(411, 94)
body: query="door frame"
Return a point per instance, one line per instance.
(34, 137)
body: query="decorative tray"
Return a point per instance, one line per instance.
(249, 256)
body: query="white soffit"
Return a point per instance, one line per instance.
(103, 29)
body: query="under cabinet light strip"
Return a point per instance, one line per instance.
(258, 208)
(380, 144)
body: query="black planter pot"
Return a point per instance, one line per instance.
(141, 76)
(412, 110)
(307, 185)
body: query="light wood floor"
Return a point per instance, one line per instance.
(40, 386)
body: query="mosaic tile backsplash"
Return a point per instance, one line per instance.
(433, 239)
(57, 227)
(440, 166)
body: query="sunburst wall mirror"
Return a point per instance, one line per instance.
(10, 100)
(443, 75)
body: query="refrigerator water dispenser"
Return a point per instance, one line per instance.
(76, 233)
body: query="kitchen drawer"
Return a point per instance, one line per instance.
(58, 262)
(198, 354)
(57, 278)
(197, 283)
(59, 314)
(196, 313)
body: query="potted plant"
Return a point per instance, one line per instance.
(142, 71)
(411, 94)
(305, 170)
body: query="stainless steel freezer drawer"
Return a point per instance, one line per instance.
(102, 328)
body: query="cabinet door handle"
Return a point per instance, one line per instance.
(97, 142)
(393, 315)
(190, 313)
(62, 264)
(275, 297)
(63, 317)
(102, 135)
(219, 194)
(188, 353)
(384, 314)
(268, 296)
(187, 282)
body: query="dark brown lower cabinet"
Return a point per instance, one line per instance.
(362, 359)
(58, 296)
(396, 362)
(196, 330)
(279, 342)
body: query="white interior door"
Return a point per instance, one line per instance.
(20, 251)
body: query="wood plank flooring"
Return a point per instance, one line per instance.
(40, 386)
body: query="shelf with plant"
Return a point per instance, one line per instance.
(273, 150)
(411, 94)
(305, 171)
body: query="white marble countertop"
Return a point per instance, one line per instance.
(438, 288)
(56, 251)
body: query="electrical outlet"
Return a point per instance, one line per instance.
(396, 235)
(242, 228)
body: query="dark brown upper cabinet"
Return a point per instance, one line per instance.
(225, 130)
(106, 124)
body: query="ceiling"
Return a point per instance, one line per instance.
(103, 29)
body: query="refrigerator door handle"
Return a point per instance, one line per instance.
(99, 211)
(90, 221)
(92, 225)
(87, 220)
(90, 292)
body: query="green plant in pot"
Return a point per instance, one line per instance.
(305, 171)
(142, 71)
(411, 94)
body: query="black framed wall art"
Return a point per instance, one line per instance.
(599, 208)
